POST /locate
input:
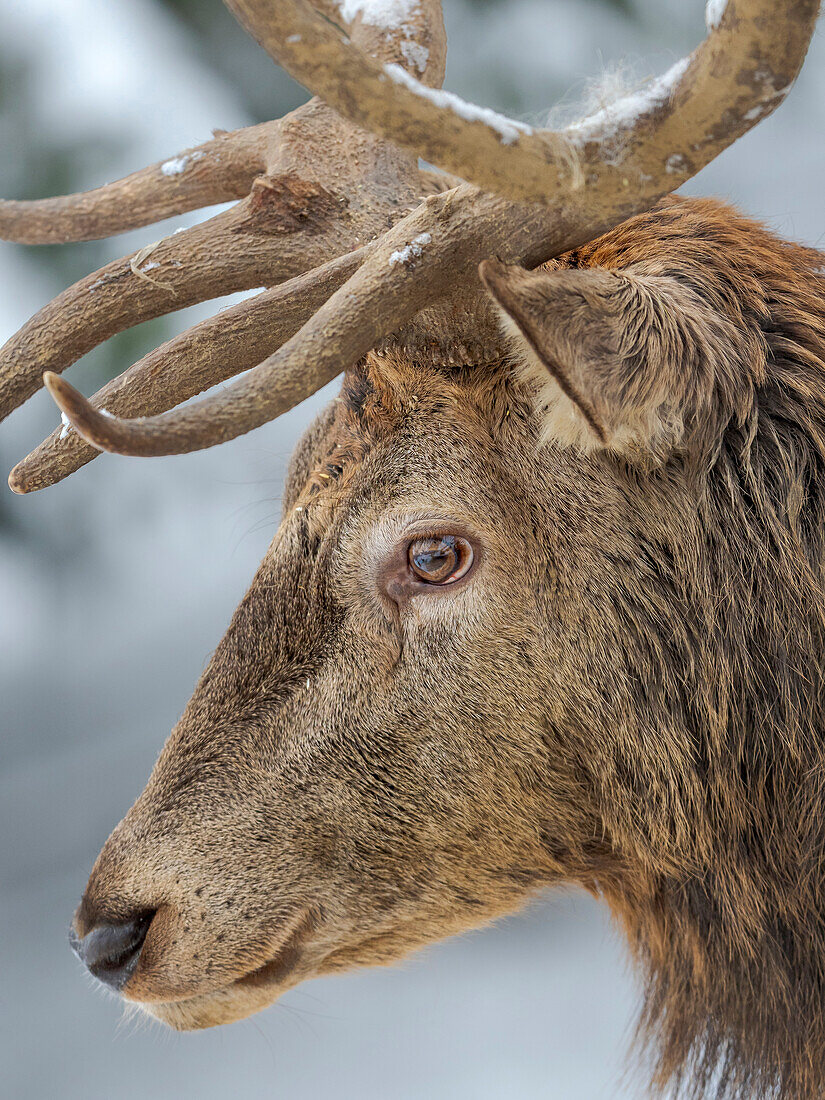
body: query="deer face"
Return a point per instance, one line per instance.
(428, 705)
(366, 764)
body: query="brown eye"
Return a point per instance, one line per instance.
(440, 560)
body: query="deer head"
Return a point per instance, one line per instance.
(545, 603)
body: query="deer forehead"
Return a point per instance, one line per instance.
(397, 420)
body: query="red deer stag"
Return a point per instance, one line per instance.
(546, 602)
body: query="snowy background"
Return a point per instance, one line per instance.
(116, 585)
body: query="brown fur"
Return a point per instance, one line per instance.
(627, 692)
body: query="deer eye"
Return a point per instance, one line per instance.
(440, 560)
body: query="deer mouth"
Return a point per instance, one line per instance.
(243, 996)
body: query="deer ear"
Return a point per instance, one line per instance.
(618, 360)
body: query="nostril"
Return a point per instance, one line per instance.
(111, 951)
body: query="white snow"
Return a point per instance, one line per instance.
(714, 11)
(507, 128)
(415, 54)
(411, 251)
(675, 163)
(611, 121)
(176, 165)
(389, 14)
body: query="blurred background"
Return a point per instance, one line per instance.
(116, 585)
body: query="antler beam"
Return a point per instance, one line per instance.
(661, 135)
(219, 256)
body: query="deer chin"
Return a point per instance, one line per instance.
(223, 1006)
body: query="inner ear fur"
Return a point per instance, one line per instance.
(626, 361)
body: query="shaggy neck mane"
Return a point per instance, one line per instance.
(724, 898)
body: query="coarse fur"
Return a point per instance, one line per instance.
(625, 693)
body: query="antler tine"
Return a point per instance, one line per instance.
(439, 246)
(659, 136)
(227, 253)
(217, 171)
(210, 352)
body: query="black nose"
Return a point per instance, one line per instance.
(111, 951)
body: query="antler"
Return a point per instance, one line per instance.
(581, 182)
(316, 188)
